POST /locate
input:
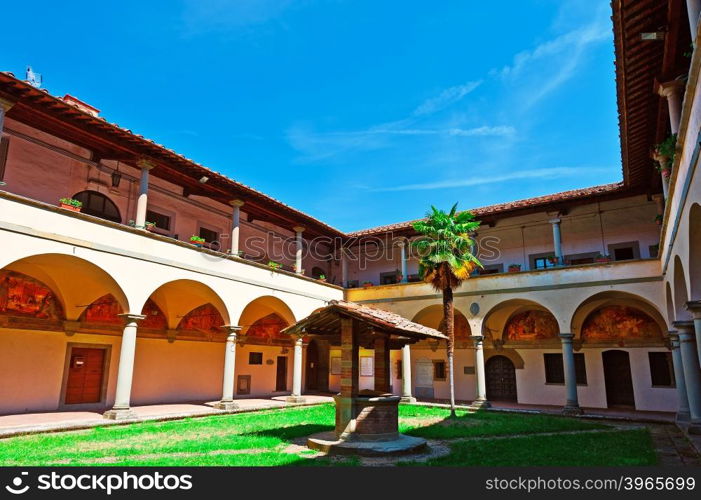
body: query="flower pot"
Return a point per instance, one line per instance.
(666, 173)
(514, 269)
(196, 243)
(603, 261)
(150, 227)
(70, 207)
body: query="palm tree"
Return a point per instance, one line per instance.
(445, 261)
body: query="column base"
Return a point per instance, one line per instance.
(694, 428)
(295, 399)
(408, 399)
(682, 416)
(225, 405)
(480, 403)
(120, 414)
(572, 410)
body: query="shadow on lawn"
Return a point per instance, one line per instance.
(297, 434)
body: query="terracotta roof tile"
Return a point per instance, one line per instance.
(508, 206)
(380, 319)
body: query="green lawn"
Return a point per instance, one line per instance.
(272, 438)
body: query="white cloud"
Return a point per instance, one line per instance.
(543, 69)
(317, 146)
(539, 173)
(445, 99)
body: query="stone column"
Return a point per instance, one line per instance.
(692, 373)
(672, 92)
(683, 400)
(142, 200)
(382, 373)
(557, 240)
(693, 8)
(298, 251)
(403, 257)
(122, 400)
(227, 398)
(572, 402)
(694, 307)
(235, 225)
(481, 382)
(406, 375)
(344, 269)
(296, 396)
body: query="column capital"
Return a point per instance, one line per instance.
(673, 337)
(669, 88)
(566, 337)
(145, 163)
(6, 104)
(683, 325)
(128, 317)
(232, 330)
(556, 220)
(236, 203)
(694, 307)
(299, 229)
(477, 339)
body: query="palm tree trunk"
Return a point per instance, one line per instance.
(449, 316)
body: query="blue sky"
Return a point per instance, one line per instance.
(358, 112)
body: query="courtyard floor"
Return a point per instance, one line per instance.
(278, 436)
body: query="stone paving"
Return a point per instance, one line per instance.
(673, 447)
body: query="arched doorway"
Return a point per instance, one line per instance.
(501, 379)
(99, 205)
(618, 379)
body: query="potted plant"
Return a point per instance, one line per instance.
(274, 265)
(150, 226)
(71, 204)
(663, 154)
(514, 268)
(658, 219)
(553, 260)
(197, 241)
(367, 284)
(322, 277)
(602, 258)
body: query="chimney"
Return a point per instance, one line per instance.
(83, 106)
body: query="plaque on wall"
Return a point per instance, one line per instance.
(424, 373)
(335, 366)
(367, 366)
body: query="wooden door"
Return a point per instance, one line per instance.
(618, 379)
(501, 379)
(281, 375)
(85, 373)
